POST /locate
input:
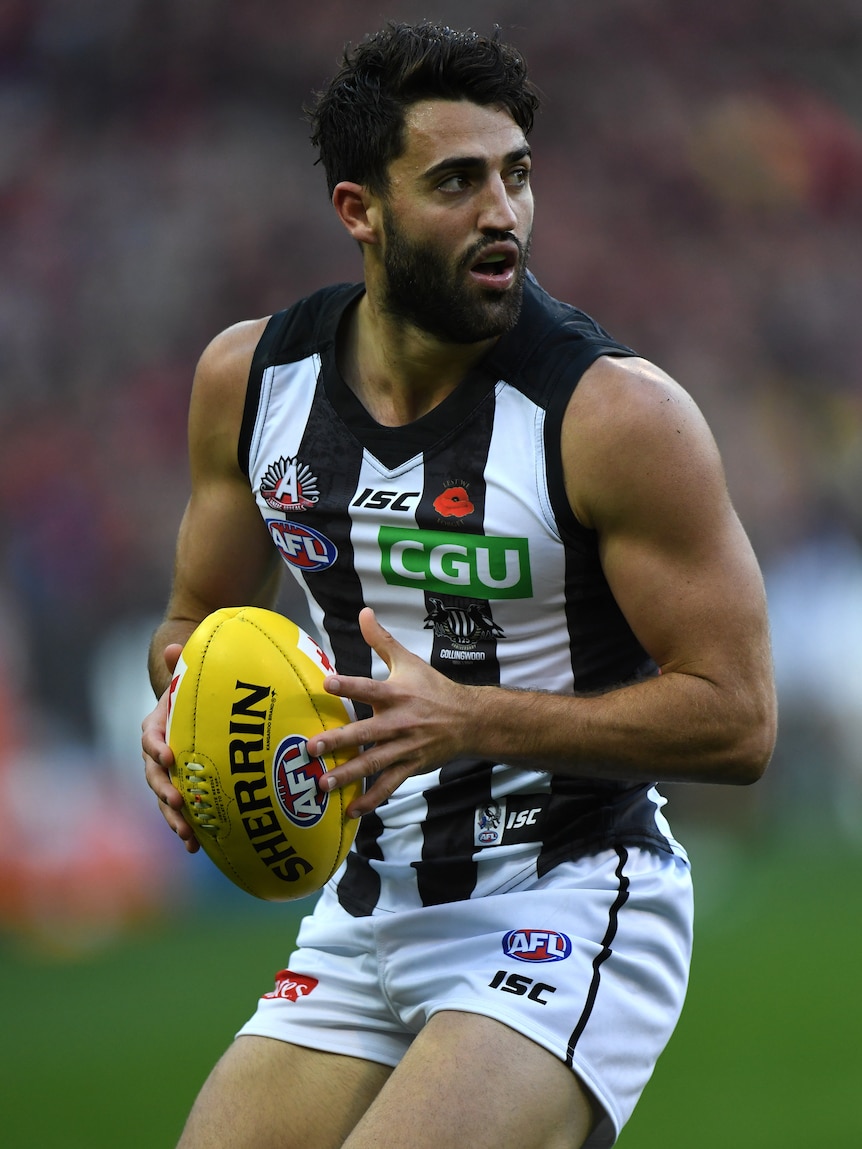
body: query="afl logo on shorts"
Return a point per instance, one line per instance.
(536, 945)
(296, 777)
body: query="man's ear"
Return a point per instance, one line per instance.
(357, 209)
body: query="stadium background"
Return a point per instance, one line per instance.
(699, 188)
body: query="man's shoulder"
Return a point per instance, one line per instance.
(544, 313)
(226, 359)
(309, 324)
(553, 344)
(305, 323)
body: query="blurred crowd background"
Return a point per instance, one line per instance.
(698, 178)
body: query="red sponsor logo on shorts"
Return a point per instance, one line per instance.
(291, 985)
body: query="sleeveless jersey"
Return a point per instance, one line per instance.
(456, 529)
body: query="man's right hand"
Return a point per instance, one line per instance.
(158, 758)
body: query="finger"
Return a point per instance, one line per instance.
(383, 787)
(356, 689)
(170, 803)
(377, 637)
(361, 765)
(172, 654)
(182, 829)
(159, 781)
(156, 749)
(333, 742)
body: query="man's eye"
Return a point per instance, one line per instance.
(518, 177)
(453, 183)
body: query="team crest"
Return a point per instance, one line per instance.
(464, 625)
(289, 485)
(488, 830)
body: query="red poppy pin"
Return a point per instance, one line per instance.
(453, 503)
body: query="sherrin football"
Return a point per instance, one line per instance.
(245, 695)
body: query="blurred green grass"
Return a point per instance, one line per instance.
(110, 1049)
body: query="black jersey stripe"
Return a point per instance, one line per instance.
(264, 356)
(447, 872)
(338, 593)
(603, 954)
(359, 887)
(465, 649)
(465, 634)
(328, 448)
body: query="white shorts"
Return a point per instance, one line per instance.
(591, 962)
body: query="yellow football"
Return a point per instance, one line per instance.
(246, 694)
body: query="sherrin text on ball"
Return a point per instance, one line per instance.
(246, 693)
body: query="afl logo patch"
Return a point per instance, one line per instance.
(536, 945)
(301, 546)
(296, 777)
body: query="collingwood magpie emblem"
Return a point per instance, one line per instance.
(463, 626)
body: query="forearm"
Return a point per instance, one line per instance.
(676, 727)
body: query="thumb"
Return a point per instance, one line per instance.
(172, 655)
(377, 637)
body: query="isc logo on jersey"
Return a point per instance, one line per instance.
(296, 777)
(536, 945)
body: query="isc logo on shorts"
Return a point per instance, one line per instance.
(536, 945)
(296, 777)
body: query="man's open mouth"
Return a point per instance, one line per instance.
(495, 268)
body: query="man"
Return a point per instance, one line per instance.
(516, 541)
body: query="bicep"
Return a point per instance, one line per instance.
(673, 550)
(694, 598)
(224, 554)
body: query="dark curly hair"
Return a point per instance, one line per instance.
(357, 121)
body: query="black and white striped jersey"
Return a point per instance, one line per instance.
(457, 531)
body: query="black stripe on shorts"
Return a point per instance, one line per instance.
(603, 954)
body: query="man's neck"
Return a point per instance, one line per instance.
(397, 371)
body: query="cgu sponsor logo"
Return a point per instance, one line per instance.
(296, 777)
(292, 986)
(302, 547)
(472, 566)
(536, 945)
(249, 715)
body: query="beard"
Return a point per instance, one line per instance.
(423, 289)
